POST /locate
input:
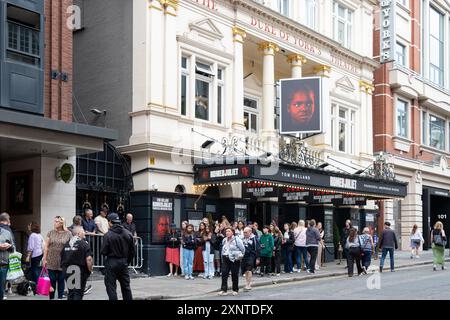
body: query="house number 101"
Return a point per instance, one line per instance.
(442, 216)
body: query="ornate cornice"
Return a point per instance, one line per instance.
(269, 46)
(367, 87)
(239, 34)
(169, 6)
(323, 70)
(296, 58)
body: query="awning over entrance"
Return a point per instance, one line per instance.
(292, 178)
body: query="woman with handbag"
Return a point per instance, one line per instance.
(354, 252)
(54, 245)
(173, 250)
(438, 240)
(233, 251)
(35, 251)
(188, 243)
(367, 248)
(251, 255)
(416, 241)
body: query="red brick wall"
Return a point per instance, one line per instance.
(414, 52)
(58, 56)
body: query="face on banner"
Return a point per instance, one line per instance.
(301, 105)
(160, 226)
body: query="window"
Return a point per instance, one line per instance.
(310, 13)
(184, 85)
(402, 118)
(251, 114)
(424, 127)
(400, 54)
(203, 83)
(283, 7)
(342, 129)
(220, 93)
(437, 132)
(342, 23)
(23, 29)
(202, 89)
(436, 48)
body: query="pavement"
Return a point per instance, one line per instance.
(162, 288)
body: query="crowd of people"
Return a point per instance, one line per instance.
(64, 248)
(217, 248)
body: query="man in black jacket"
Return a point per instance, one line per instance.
(387, 244)
(119, 250)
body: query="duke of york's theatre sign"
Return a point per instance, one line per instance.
(387, 30)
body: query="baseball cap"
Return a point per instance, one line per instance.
(113, 217)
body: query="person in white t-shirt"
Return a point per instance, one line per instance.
(101, 222)
(301, 250)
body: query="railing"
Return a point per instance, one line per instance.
(96, 241)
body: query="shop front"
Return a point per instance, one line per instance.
(436, 207)
(293, 193)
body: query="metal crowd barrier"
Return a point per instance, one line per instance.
(96, 241)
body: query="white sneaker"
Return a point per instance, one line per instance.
(417, 257)
(187, 277)
(191, 277)
(299, 270)
(169, 275)
(222, 293)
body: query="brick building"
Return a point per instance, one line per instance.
(411, 114)
(37, 135)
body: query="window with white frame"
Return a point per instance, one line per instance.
(436, 46)
(283, 7)
(342, 24)
(251, 114)
(400, 54)
(220, 93)
(310, 10)
(437, 132)
(402, 118)
(205, 82)
(184, 85)
(343, 129)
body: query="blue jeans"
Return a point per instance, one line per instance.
(301, 252)
(56, 279)
(367, 258)
(3, 272)
(391, 257)
(287, 256)
(188, 261)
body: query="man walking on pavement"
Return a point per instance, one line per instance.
(118, 248)
(388, 243)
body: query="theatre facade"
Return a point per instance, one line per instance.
(200, 82)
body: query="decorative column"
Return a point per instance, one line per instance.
(269, 49)
(238, 79)
(170, 65)
(411, 209)
(297, 61)
(364, 125)
(323, 141)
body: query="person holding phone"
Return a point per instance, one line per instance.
(6, 247)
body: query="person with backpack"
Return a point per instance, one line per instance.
(367, 248)
(438, 240)
(267, 244)
(251, 245)
(233, 251)
(353, 244)
(287, 248)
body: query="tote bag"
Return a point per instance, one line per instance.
(43, 285)
(15, 267)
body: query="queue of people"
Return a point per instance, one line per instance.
(64, 248)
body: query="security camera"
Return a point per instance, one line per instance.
(154, 187)
(98, 112)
